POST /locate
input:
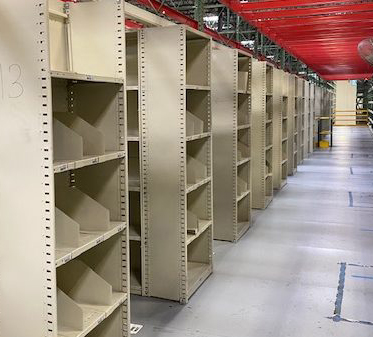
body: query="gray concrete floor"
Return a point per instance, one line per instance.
(281, 278)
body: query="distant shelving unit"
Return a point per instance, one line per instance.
(175, 113)
(262, 134)
(69, 133)
(231, 121)
(280, 128)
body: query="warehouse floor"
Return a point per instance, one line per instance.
(282, 277)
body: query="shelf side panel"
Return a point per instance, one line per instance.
(26, 195)
(224, 66)
(164, 156)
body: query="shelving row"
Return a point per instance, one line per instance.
(280, 128)
(231, 121)
(262, 134)
(67, 123)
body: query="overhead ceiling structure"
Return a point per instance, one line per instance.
(324, 34)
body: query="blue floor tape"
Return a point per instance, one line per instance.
(351, 199)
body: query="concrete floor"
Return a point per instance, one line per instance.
(281, 278)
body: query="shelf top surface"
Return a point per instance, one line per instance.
(85, 77)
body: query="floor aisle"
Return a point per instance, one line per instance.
(281, 278)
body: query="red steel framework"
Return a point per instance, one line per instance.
(324, 34)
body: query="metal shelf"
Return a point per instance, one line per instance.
(231, 121)
(180, 202)
(71, 168)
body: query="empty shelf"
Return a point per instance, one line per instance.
(243, 126)
(284, 139)
(205, 224)
(134, 185)
(243, 195)
(133, 138)
(198, 136)
(243, 161)
(84, 77)
(284, 161)
(197, 274)
(87, 240)
(244, 92)
(193, 187)
(268, 121)
(268, 147)
(269, 174)
(134, 234)
(197, 87)
(132, 87)
(62, 166)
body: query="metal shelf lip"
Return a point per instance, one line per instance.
(269, 93)
(243, 92)
(243, 161)
(243, 126)
(132, 87)
(268, 147)
(284, 161)
(57, 13)
(284, 117)
(204, 227)
(59, 167)
(133, 234)
(242, 196)
(197, 87)
(95, 315)
(284, 139)
(133, 138)
(195, 186)
(88, 240)
(85, 77)
(199, 136)
(134, 185)
(269, 174)
(268, 121)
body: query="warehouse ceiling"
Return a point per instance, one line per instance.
(324, 34)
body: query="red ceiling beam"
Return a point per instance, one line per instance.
(351, 8)
(262, 5)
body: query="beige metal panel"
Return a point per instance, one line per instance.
(345, 103)
(291, 125)
(306, 107)
(26, 188)
(94, 37)
(224, 66)
(164, 176)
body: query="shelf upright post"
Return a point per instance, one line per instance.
(65, 119)
(312, 118)
(231, 127)
(176, 156)
(306, 118)
(262, 134)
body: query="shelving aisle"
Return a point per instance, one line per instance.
(176, 160)
(277, 282)
(66, 239)
(280, 124)
(231, 121)
(262, 134)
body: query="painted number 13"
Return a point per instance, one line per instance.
(11, 85)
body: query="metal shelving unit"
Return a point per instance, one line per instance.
(280, 128)
(135, 182)
(292, 126)
(262, 134)
(231, 127)
(64, 115)
(301, 119)
(306, 112)
(176, 160)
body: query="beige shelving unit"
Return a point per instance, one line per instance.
(292, 126)
(280, 128)
(262, 134)
(135, 174)
(64, 116)
(231, 127)
(175, 108)
(311, 118)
